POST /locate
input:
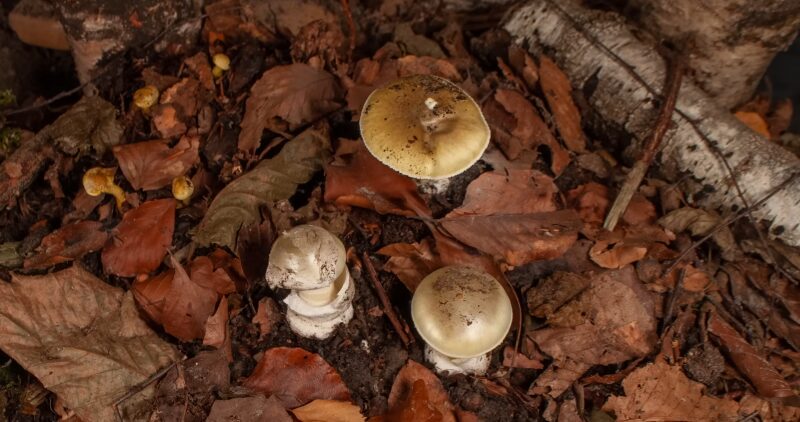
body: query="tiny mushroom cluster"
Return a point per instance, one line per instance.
(462, 314)
(311, 262)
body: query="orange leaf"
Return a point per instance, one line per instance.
(67, 243)
(754, 121)
(216, 334)
(410, 262)
(296, 377)
(328, 411)
(558, 91)
(187, 306)
(141, 240)
(151, 293)
(418, 394)
(206, 274)
(153, 164)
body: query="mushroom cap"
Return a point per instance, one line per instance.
(461, 312)
(182, 188)
(97, 180)
(146, 96)
(221, 61)
(424, 126)
(305, 257)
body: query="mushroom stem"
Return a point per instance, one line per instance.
(118, 194)
(476, 365)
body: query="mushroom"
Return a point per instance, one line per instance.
(100, 180)
(222, 63)
(425, 127)
(145, 97)
(182, 189)
(462, 314)
(311, 262)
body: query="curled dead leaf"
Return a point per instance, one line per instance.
(410, 262)
(67, 243)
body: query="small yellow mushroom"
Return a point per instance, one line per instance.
(182, 189)
(100, 180)
(145, 97)
(222, 63)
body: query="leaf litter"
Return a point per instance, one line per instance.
(606, 331)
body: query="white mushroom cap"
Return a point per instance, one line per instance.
(461, 312)
(306, 258)
(424, 126)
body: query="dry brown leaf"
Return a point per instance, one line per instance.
(205, 273)
(153, 164)
(610, 322)
(517, 126)
(328, 411)
(367, 183)
(425, 65)
(410, 262)
(513, 192)
(168, 121)
(554, 291)
(768, 382)
(296, 377)
(519, 360)
(367, 76)
(701, 222)
(591, 201)
(249, 409)
(141, 239)
(754, 121)
(297, 93)
(187, 306)
(767, 410)
(653, 392)
(558, 92)
(517, 239)
(558, 378)
(640, 211)
(150, 293)
(67, 243)
(267, 316)
(83, 339)
(235, 19)
(608, 254)
(524, 65)
(216, 334)
(418, 395)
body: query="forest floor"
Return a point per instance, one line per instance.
(157, 308)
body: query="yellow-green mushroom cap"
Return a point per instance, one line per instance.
(424, 126)
(461, 312)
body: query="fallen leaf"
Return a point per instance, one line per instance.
(513, 192)
(236, 19)
(296, 377)
(558, 92)
(216, 330)
(424, 65)
(249, 409)
(238, 205)
(195, 380)
(767, 410)
(700, 223)
(517, 239)
(68, 243)
(610, 322)
(768, 382)
(754, 121)
(328, 411)
(83, 339)
(203, 272)
(152, 165)
(640, 211)
(558, 377)
(187, 306)
(410, 262)
(168, 120)
(523, 64)
(367, 183)
(297, 93)
(591, 201)
(652, 392)
(517, 127)
(267, 316)
(151, 293)
(519, 360)
(141, 239)
(402, 397)
(415, 44)
(608, 254)
(554, 291)
(368, 75)
(88, 127)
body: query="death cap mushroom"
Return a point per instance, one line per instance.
(424, 126)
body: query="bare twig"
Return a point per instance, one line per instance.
(672, 85)
(673, 297)
(399, 325)
(139, 387)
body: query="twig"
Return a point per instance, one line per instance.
(673, 297)
(672, 85)
(388, 309)
(139, 387)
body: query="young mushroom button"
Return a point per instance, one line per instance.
(462, 314)
(424, 126)
(311, 262)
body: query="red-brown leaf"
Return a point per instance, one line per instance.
(67, 243)
(296, 377)
(151, 293)
(401, 397)
(558, 91)
(206, 274)
(410, 262)
(187, 306)
(153, 164)
(513, 192)
(141, 240)
(216, 334)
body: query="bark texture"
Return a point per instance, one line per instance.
(620, 76)
(734, 40)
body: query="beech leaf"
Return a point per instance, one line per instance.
(328, 411)
(239, 204)
(67, 243)
(297, 93)
(141, 240)
(83, 339)
(153, 164)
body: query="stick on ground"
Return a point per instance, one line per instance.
(399, 325)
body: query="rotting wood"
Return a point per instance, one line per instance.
(619, 74)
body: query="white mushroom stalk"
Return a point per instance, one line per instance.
(462, 314)
(311, 262)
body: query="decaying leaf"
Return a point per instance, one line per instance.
(367, 183)
(239, 204)
(558, 91)
(297, 93)
(661, 392)
(558, 377)
(418, 395)
(410, 262)
(610, 322)
(617, 254)
(216, 330)
(267, 316)
(554, 291)
(328, 411)
(153, 164)
(209, 272)
(512, 192)
(249, 409)
(591, 200)
(67, 243)
(296, 377)
(88, 127)
(700, 223)
(83, 339)
(140, 241)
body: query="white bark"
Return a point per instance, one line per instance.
(619, 76)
